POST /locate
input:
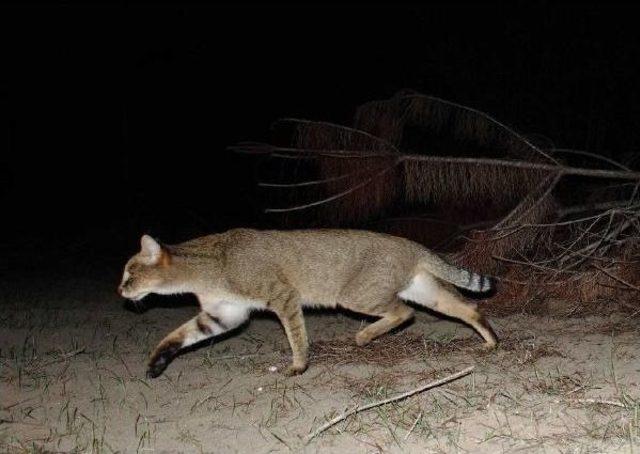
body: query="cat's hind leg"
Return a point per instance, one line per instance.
(393, 314)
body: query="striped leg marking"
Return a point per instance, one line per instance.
(201, 327)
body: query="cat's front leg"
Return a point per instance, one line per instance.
(288, 308)
(201, 327)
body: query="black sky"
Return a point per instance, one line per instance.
(115, 119)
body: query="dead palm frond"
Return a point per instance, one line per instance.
(388, 161)
(493, 188)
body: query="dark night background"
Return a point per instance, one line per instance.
(115, 119)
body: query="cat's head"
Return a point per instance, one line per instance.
(148, 271)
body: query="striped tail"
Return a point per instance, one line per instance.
(457, 276)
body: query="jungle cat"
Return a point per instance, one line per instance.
(241, 270)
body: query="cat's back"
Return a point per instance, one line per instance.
(308, 250)
(314, 243)
(314, 239)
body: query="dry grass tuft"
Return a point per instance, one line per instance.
(589, 292)
(386, 351)
(528, 352)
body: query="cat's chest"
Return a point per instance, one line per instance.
(228, 301)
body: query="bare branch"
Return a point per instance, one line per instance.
(564, 212)
(361, 408)
(578, 171)
(565, 170)
(549, 182)
(590, 155)
(336, 196)
(484, 115)
(617, 278)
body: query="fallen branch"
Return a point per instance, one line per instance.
(613, 403)
(564, 170)
(617, 278)
(361, 408)
(260, 148)
(555, 172)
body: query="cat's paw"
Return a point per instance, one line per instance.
(161, 359)
(155, 370)
(363, 339)
(295, 370)
(158, 366)
(488, 346)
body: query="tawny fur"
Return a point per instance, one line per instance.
(241, 270)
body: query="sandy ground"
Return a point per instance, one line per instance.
(72, 363)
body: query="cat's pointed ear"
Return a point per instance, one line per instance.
(150, 248)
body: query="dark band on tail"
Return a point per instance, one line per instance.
(486, 283)
(479, 283)
(455, 275)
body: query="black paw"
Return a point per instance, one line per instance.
(160, 361)
(156, 369)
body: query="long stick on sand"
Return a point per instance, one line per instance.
(358, 408)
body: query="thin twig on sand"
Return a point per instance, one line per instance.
(413, 426)
(600, 402)
(361, 408)
(65, 356)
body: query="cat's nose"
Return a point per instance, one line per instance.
(120, 290)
